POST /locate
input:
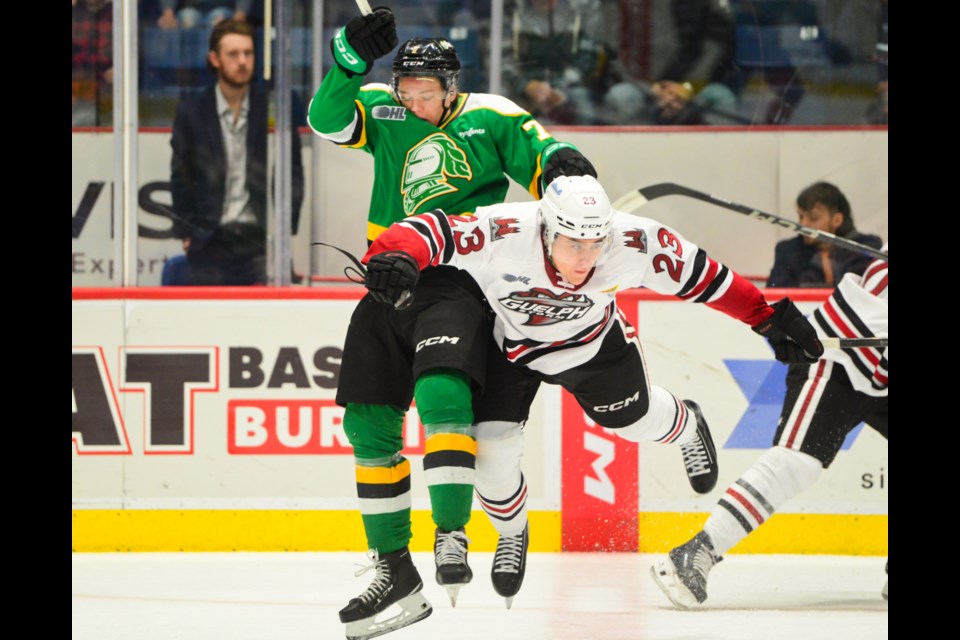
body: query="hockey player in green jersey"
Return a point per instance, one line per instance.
(432, 147)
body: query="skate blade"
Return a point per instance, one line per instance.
(663, 574)
(453, 590)
(509, 601)
(413, 608)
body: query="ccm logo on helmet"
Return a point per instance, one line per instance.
(437, 340)
(616, 406)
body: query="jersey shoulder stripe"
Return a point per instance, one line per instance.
(375, 90)
(500, 104)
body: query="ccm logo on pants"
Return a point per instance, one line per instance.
(616, 406)
(437, 340)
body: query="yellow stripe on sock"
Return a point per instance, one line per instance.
(383, 475)
(450, 442)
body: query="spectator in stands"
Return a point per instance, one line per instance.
(219, 168)
(877, 110)
(806, 262)
(92, 62)
(190, 14)
(673, 106)
(698, 24)
(559, 66)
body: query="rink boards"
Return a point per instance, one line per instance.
(204, 420)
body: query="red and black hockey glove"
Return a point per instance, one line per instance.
(566, 162)
(391, 278)
(790, 334)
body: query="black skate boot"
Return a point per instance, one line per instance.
(699, 455)
(450, 555)
(509, 564)
(396, 583)
(683, 575)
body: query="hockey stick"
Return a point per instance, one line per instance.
(364, 7)
(847, 343)
(637, 198)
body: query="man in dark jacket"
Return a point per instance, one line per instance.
(806, 262)
(219, 168)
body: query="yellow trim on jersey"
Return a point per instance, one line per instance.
(534, 187)
(383, 475)
(450, 442)
(374, 230)
(362, 142)
(457, 109)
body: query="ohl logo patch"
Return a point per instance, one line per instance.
(384, 112)
(763, 383)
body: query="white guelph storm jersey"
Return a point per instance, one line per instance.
(858, 308)
(544, 322)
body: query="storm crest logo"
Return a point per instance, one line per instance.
(637, 240)
(545, 308)
(500, 227)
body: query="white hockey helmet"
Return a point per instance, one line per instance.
(576, 207)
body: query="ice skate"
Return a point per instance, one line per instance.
(450, 555)
(700, 455)
(683, 575)
(396, 583)
(886, 569)
(509, 564)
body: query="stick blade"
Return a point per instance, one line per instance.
(633, 200)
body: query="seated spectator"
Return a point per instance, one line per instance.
(219, 168)
(807, 262)
(560, 68)
(877, 111)
(673, 106)
(176, 272)
(679, 103)
(92, 62)
(698, 26)
(191, 14)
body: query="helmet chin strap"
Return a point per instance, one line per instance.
(447, 107)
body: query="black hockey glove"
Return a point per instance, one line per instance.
(391, 278)
(566, 162)
(363, 40)
(791, 335)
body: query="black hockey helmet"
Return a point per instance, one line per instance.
(428, 58)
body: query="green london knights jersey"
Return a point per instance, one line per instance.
(459, 166)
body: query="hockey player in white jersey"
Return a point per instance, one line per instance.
(550, 271)
(824, 401)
